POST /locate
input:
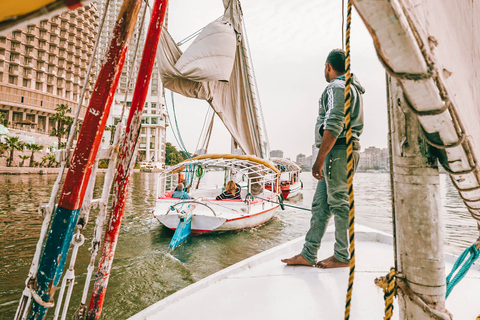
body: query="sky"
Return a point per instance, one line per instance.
(289, 42)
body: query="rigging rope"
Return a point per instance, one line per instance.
(134, 61)
(348, 127)
(461, 267)
(248, 98)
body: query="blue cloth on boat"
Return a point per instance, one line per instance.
(180, 195)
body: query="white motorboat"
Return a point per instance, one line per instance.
(290, 184)
(256, 206)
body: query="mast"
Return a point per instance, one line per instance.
(418, 224)
(127, 160)
(66, 214)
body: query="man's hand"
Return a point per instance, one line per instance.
(328, 141)
(317, 169)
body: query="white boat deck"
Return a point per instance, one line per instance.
(262, 287)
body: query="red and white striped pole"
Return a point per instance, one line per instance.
(127, 159)
(55, 251)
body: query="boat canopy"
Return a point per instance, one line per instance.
(216, 68)
(286, 164)
(256, 171)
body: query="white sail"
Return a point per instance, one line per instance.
(206, 71)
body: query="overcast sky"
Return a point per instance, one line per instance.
(289, 41)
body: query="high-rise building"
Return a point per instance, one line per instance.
(43, 65)
(151, 148)
(276, 154)
(300, 159)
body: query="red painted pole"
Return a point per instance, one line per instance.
(55, 251)
(127, 159)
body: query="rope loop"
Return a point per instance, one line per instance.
(388, 285)
(461, 267)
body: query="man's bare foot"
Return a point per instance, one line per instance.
(297, 260)
(331, 262)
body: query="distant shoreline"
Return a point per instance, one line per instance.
(41, 171)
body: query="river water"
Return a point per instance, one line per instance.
(144, 273)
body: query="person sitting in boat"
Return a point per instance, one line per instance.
(179, 192)
(232, 192)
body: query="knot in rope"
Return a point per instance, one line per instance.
(461, 267)
(388, 285)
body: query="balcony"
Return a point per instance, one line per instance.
(51, 72)
(28, 64)
(31, 30)
(14, 59)
(27, 75)
(63, 34)
(13, 71)
(29, 53)
(40, 76)
(52, 59)
(41, 56)
(42, 46)
(62, 54)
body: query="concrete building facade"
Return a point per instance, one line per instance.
(151, 148)
(43, 65)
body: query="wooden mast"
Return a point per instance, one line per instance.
(127, 159)
(65, 217)
(418, 224)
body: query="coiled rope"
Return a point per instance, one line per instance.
(348, 127)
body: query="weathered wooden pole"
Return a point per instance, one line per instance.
(418, 224)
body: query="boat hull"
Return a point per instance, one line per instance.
(262, 287)
(216, 216)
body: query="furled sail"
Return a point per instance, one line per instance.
(216, 68)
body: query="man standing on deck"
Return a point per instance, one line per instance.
(330, 168)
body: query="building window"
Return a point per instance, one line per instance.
(154, 92)
(3, 40)
(12, 79)
(50, 89)
(21, 100)
(26, 82)
(59, 92)
(38, 86)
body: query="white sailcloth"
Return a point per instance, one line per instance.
(215, 68)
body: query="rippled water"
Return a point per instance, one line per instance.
(143, 272)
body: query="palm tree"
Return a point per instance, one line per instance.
(13, 143)
(23, 159)
(51, 160)
(3, 118)
(63, 122)
(43, 163)
(34, 148)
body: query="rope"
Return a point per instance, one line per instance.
(461, 267)
(387, 283)
(277, 202)
(134, 61)
(348, 127)
(249, 98)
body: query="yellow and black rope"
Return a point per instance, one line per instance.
(348, 127)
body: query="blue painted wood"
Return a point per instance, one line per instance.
(53, 258)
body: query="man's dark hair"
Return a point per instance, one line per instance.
(336, 58)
